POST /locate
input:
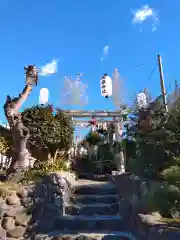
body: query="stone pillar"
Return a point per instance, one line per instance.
(119, 154)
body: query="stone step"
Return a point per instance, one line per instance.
(92, 209)
(95, 236)
(95, 177)
(91, 199)
(93, 223)
(98, 188)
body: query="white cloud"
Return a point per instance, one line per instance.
(106, 50)
(49, 68)
(144, 13)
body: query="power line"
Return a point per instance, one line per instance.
(151, 73)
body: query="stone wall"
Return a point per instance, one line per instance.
(29, 212)
(133, 206)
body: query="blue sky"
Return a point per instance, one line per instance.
(75, 33)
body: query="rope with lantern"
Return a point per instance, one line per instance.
(106, 86)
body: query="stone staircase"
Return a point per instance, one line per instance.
(93, 213)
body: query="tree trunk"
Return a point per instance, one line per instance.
(20, 135)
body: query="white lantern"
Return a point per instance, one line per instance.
(43, 96)
(106, 86)
(105, 126)
(141, 100)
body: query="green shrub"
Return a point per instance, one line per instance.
(166, 200)
(5, 144)
(44, 167)
(172, 175)
(141, 167)
(48, 130)
(135, 166)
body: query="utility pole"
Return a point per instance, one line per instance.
(163, 90)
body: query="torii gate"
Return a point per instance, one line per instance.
(111, 117)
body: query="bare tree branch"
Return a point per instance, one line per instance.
(20, 133)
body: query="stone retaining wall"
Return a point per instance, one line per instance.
(133, 205)
(29, 212)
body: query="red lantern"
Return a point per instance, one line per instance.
(93, 121)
